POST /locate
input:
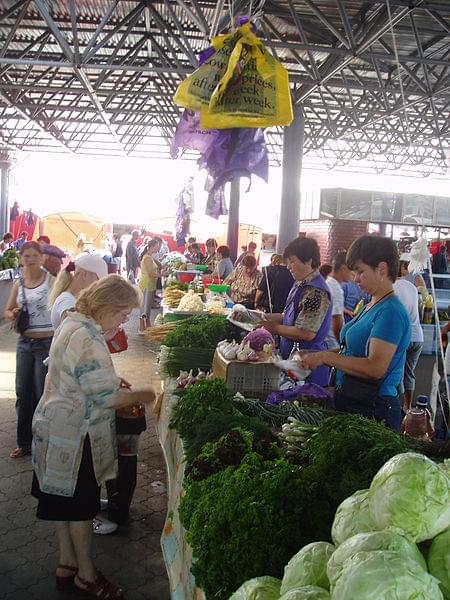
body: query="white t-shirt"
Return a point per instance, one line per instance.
(63, 302)
(337, 297)
(408, 295)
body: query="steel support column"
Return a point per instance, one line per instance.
(289, 221)
(233, 218)
(5, 167)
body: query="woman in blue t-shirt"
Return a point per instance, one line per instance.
(370, 365)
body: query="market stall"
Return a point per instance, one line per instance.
(263, 483)
(9, 263)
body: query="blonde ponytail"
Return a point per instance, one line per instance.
(62, 283)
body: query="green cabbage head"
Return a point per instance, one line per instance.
(258, 588)
(384, 576)
(352, 517)
(439, 561)
(412, 493)
(369, 542)
(307, 592)
(308, 567)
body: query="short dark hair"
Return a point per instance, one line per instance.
(211, 242)
(325, 270)
(151, 244)
(372, 250)
(304, 248)
(339, 260)
(224, 251)
(249, 261)
(8, 236)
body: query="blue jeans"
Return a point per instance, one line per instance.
(385, 409)
(30, 378)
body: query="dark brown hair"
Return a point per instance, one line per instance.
(372, 250)
(304, 248)
(224, 251)
(249, 261)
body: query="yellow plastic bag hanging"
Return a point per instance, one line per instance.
(240, 85)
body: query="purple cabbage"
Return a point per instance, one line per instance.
(258, 338)
(310, 390)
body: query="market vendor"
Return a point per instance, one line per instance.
(306, 318)
(374, 344)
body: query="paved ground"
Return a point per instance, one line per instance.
(132, 556)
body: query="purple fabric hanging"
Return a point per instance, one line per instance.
(189, 135)
(185, 201)
(216, 204)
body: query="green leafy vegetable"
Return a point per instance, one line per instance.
(197, 402)
(258, 588)
(347, 452)
(384, 575)
(245, 522)
(439, 561)
(204, 331)
(352, 517)
(308, 567)
(412, 493)
(216, 424)
(369, 542)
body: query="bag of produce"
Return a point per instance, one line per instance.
(369, 542)
(411, 492)
(239, 85)
(308, 567)
(383, 575)
(439, 561)
(259, 588)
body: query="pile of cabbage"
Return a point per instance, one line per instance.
(375, 553)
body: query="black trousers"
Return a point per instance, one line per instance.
(120, 490)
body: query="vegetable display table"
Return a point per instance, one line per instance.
(176, 551)
(6, 284)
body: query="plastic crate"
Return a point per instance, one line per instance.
(253, 380)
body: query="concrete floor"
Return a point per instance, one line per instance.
(131, 557)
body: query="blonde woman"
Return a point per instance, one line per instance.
(74, 441)
(77, 276)
(33, 344)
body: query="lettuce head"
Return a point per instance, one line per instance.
(370, 542)
(306, 592)
(384, 576)
(352, 517)
(308, 567)
(439, 561)
(258, 588)
(412, 493)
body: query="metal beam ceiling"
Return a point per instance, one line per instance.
(371, 76)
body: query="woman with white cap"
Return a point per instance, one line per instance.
(77, 276)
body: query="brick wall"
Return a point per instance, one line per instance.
(333, 235)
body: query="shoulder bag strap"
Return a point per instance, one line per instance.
(24, 298)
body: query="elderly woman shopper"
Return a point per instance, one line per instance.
(30, 293)
(374, 344)
(306, 318)
(244, 281)
(74, 444)
(77, 276)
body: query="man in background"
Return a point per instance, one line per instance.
(132, 257)
(340, 273)
(250, 250)
(53, 258)
(21, 241)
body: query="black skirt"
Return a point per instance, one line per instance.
(82, 506)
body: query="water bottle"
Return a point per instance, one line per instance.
(416, 423)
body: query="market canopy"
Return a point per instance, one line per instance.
(98, 76)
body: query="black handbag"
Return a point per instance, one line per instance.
(359, 389)
(22, 321)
